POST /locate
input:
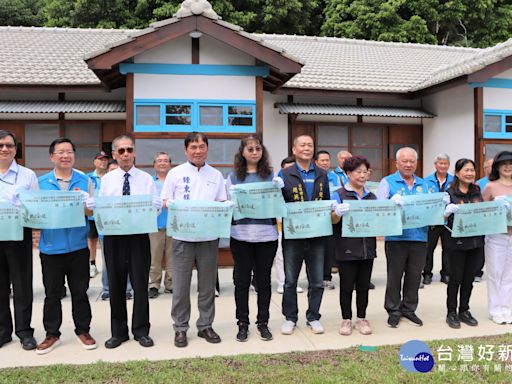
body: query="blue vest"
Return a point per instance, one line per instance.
(433, 183)
(66, 240)
(398, 185)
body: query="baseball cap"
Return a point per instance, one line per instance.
(101, 155)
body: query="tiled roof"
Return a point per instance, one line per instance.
(62, 106)
(351, 110)
(55, 56)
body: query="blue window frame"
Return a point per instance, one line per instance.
(497, 124)
(233, 116)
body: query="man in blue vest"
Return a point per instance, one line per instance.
(64, 253)
(340, 158)
(405, 254)
(437, 182)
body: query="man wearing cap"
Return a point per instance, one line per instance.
(128, 254)
(15, 256)
(100, 168)
(161, 244)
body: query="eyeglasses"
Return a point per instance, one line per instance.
(255, 149)
(121, 151)
(8, 146)
(64, 153)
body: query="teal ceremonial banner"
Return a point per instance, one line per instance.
(371, 218)
(422, 210)
(372, 186)
(199, 219)
(308, 219)
(479, 219)
(11, 228)
(258, 201)
(509, 214)
(125, 215)
(52, 209)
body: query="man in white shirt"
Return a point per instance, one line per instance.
(194, 180)
(15, 256)
(128, 254)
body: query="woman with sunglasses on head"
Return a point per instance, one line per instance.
(498, 247)
(253, 241)
(464, 253)
(354, 255)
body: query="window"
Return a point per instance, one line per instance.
(497, 124)
(195, 115)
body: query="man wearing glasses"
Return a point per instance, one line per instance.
(128, 254)
(15, 256)
(194, 180)
(65, 254)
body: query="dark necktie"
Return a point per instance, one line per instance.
(126, 184)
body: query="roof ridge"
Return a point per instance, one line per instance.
(275, 36)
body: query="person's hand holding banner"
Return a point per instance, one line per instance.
(446, 198)
(506, 203)
(278, 182)
(450, 209)
(90, 203)
(157, 202)
(397, 199)
(341, 209)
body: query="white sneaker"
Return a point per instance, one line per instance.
(363, 326)
(280, 289)
(299, 289)
(315, 326)
(93, 271)
(508, 319)
(346, 328)
(288, 327)
(499, 319)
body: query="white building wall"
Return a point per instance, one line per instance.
(498, 98)
(212, 51)
(275, 129)
(452, 131)
(178, 51)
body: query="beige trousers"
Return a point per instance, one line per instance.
(161, 248)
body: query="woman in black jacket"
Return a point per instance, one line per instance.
(354, 255)
(464, 253)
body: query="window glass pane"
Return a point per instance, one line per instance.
(222, 151)
(492, 123)
(148, 115)
(508, 128)
(374, 155)
(376, 174)
(508, 119)
(41, 134)
(177, 120)
(210, 116)
(492, 150)
(147, 148)
(87, 133)
(38, 157)
(84, 157)
(245, 121)
(363, 137)
(332, 136)
(237, 110)
(178, 109)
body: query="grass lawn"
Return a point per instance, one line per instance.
(332, 366)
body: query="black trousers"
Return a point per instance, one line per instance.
(464, 267)
(75, 267)
(405, 261)
(434, 233)
(248, 257)
(480, 264)
(356, 272)
(16, 267)
(329, 259)
(128, 255)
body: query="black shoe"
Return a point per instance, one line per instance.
(210, 335)
(411, 316)
(6, 341)
(427, 279)
(28, 343)
(468, 319)
(180, 339)
(371, 286)
(243, 332)
(153, 293)
(115, 342)
(393, 320)
(453, 320)
(264, 332)
(445, 279)
(129, 296)
(145, 341)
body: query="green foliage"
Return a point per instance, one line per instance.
(21, 12)
(457, 22)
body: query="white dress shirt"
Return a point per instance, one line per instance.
(17, 178)
(141, 183)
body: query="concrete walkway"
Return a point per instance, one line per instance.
(432, 309)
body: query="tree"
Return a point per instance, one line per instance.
(457, 22)
(21, 12)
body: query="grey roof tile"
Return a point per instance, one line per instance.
(61, 106)
(350, 110)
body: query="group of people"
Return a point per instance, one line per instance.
(140, 259)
